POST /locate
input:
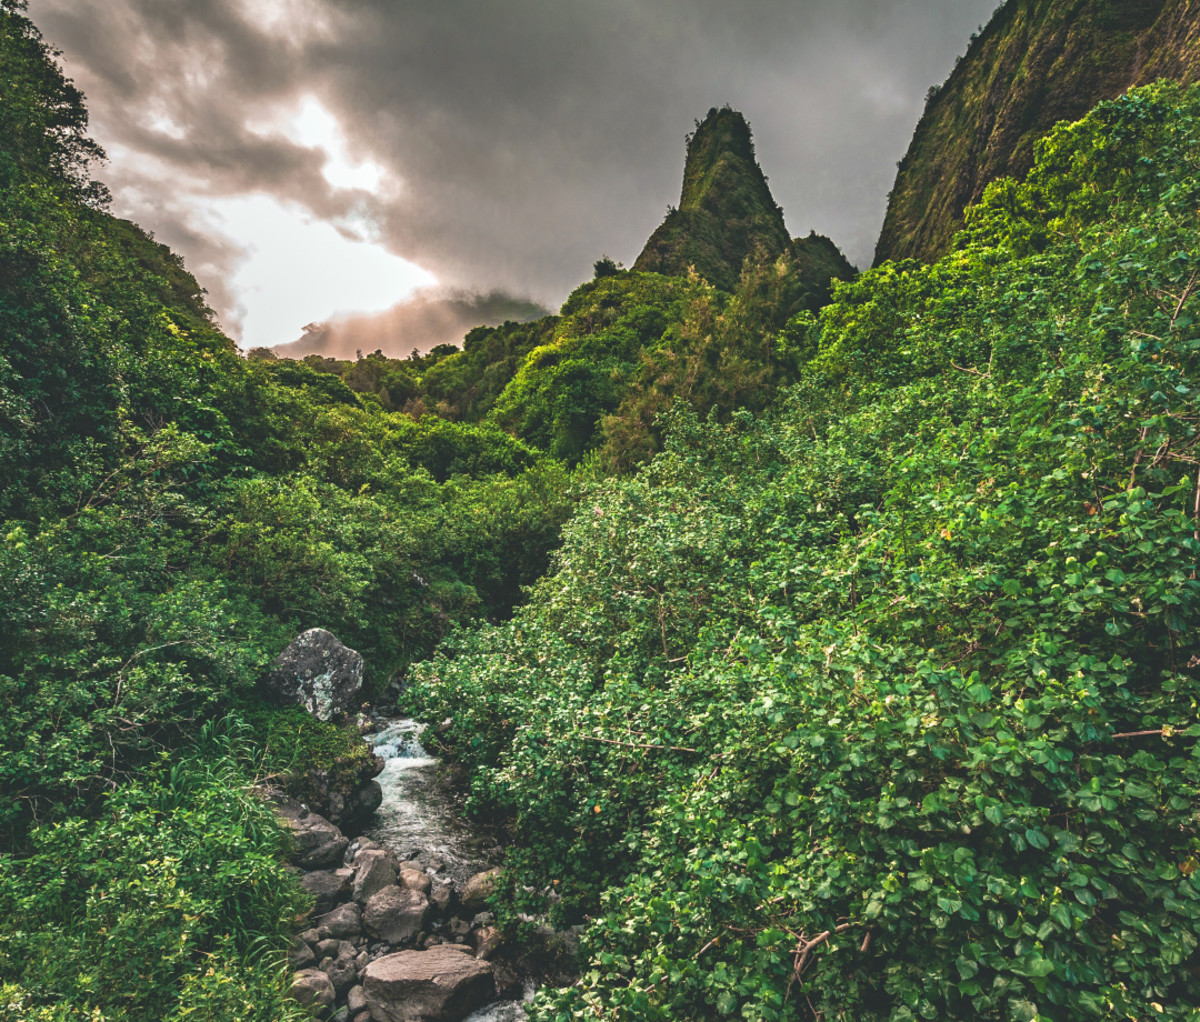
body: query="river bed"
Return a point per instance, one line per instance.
(421, 819)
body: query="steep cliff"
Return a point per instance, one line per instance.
(1037, 62)
(725, 212)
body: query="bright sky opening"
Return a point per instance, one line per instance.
(300, 270)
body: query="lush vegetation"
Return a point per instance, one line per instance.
(863, 685)
(171, 515)
(884, 704)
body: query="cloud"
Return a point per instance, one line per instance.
(419, 324)
(518, 139)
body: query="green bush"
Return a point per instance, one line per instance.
(885, 705)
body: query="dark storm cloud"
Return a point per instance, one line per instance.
(528, 136)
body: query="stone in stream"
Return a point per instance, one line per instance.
(373, 871)
(394, 914)
(343, 922)
(316, 842)
(327, 887)
(312, 988)
(356, 999)
(319, 673)
(479, 888)
(441, 985)
(416, 880)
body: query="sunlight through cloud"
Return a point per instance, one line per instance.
(298, 270)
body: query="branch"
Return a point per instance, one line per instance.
(973, 372)
(636, 745)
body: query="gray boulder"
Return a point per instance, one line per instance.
(343, 922)
(439, 985)
(319, 673)
(394, 914)
(315, 841)
(327, 887)
(312, 988)
(373, 871)
(479, 888)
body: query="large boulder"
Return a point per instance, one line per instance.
(319, 673)
(394, 914)
(439, 985)
(316, 842)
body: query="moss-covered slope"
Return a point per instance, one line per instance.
(1036, 63)
(725, 212)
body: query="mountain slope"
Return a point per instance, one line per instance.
(725, 212)
(1036, 63)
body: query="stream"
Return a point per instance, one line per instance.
(420, 819)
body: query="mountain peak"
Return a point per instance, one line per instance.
(726, 211)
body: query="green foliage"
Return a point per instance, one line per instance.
(167, 905)
(884, 705)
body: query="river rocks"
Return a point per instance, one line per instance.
(486, 940)
(341, 972)
(373, 871)
(439, 985)
(316, 843)
(395, 914)
(344, 921)
(312, 988)
(356, 1000)
(327, 887)
(416, 880)
(478, 889)
(317, 672)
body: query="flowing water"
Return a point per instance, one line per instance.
(420, 819)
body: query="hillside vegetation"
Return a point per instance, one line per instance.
(1035, 63)
(883, 704)
(863, 682)
(171, 515)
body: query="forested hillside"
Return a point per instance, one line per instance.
(173, 514)
(884, 704)
(1035, 63)
(828, 650)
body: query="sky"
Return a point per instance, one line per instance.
(325, 160)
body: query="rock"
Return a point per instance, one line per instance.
(316, 842)
(317, 672)
(357, 847)
(341, 1015)
(459, 927)
(356, 999)
(341, 973)
(486, 941)
(373, 871)
(312, 988)
(363, 1016)
(441, 985)
(412, 864)
(363, 802)
(327, 887)
(310, 936)
(344, 921)
(442, 896)
(416, 880)
(328, 948)
(483, 919)
(395, 913)
(479, 888)
(301, 955)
